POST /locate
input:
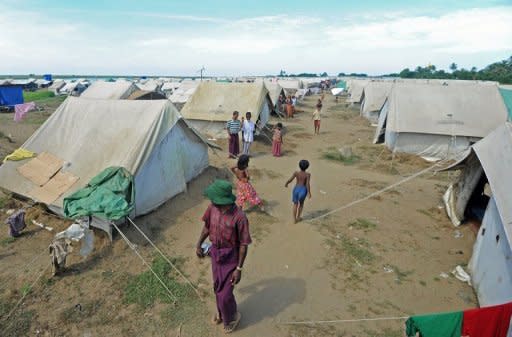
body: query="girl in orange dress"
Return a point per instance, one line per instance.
(277, 140)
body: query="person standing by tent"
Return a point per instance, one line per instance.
(289, 107)
(248, 128)
(227, 227)
(277, 140)
(233, 127)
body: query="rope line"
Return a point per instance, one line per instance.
(346, 320)
(371, 195)
(132, 246)
(22, 270)
(167, 259)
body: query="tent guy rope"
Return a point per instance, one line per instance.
(167, 259)
(132, 246)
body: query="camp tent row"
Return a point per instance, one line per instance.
(148, 138)
(373, 97)
(488, 161)
(213, 103)
(438, 121)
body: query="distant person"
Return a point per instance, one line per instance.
(316, 120)
(289, 107)
(277, 140)
(336, 99)
(245, 192)
(228, 229)
(248, 128)
(301, 190)
(233, 127)
(294, 101)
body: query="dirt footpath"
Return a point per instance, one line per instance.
(384, 257)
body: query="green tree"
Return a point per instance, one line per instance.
(453, 67)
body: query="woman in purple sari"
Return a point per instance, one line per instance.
(228, 229)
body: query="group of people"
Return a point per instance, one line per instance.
(225, 222)
(288, 104)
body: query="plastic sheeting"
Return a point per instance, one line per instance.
(11, 95)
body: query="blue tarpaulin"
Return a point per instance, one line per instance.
(47, 77)
(10, 95)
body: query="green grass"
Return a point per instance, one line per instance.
(145, 290)
(423, 283)
(362, 224)
(333, 154)
(401, 275)
(358, 250)
(7, 241)
(31, 96)
(19, 322)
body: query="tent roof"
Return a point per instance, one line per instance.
(375, 94)
(506, 93)
(146, 95)
(92, 135)
(109, 90)
(356, 90)
(57, 84)
(472, 110)
(495, 155)
(150, 85)
(213, 101)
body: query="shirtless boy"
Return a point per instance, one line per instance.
(301, 190)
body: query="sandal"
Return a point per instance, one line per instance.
(233, 325)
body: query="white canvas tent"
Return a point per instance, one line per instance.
(182, 94)
(148, 138)
(56, 86)
(355, 90)
(489, 160)
(290, 86)
(109, 90)
(213, 103)
(373, 98)
(438, 121)
(274, 91)
(150, 85)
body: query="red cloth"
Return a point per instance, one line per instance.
(227, 230)
(487, 322)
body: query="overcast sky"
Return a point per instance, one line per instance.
(124, 37)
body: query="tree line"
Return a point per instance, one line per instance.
(499, 71)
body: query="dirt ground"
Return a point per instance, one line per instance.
(380, 258)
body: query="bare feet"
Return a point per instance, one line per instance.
(216, 319)
(233, 325)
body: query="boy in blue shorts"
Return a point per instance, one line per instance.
(301, 190)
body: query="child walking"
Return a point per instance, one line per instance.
(245, 192)
(301, 190)
(277, 140)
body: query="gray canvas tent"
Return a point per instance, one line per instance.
(56, 86)
(213, 103)
(373, 98)
(488, 161)
(436, 120)
(110, 90)
(148, 138)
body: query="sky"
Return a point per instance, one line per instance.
(233, 38)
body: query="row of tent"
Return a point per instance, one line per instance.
(160, 147)
(465, 121)
(435, 119)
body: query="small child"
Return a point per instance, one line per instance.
(277, 140)
(316, 119)
(301, 190)
(245, 192)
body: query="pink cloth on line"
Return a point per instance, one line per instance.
(20, 110)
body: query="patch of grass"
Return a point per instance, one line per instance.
(358, 250)
(437, 279)
(19, 322)
(144, 289)
(387, 332)
(334, 155)
(3, 199)
(423, 283)
(401, 275)
(25, 290)
(30, 96)
(7, 241)
(362, 224)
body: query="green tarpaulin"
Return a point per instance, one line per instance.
(341, 84)
(110, 195)
(507, 98)
(447, 324)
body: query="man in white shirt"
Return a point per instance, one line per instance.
(248, 128)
